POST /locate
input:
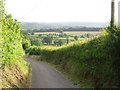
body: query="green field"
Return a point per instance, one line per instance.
(64, 37)
(71, 32)
(81, 32)
(45, 32)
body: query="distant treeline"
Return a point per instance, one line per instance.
(68, 29)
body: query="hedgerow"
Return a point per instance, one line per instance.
(10, 38)
(96, 61)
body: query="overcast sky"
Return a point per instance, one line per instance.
(61, 10)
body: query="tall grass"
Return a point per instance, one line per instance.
(96, 61)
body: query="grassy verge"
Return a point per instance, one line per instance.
(95, 63)
(17, 75)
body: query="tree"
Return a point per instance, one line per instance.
(56, 42)
(82, 36)
(40, 35)
(76, 38)
(36, 41)
(67, 40)
(60, 42)
(61, 31)
(47, 40)
(32, 33)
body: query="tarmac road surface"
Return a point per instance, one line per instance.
(46, 76)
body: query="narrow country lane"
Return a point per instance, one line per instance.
(45, 76)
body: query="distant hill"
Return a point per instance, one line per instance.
(32, 25)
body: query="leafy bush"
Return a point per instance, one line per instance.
(11, 40)
(25, 43)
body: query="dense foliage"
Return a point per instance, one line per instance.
(34, 40)
(96, 62)
(11, 39)
(25, 42)
(1, 16)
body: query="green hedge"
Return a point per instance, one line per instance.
(97, 61)
(11, 40)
